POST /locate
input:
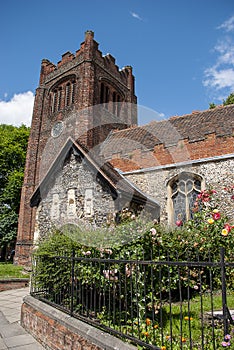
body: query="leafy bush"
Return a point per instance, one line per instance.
(114, 275)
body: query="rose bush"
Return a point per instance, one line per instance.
(198, 239)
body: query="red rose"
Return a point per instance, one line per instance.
(216, 216)
(227, 227)
(179, 223)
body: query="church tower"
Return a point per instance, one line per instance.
(78, 81)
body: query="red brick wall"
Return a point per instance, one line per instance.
(50, 333)
(58, 331)
(212, 146)
(88, 66)
(13, 284)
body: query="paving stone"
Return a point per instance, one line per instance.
(12, 330)
(12, 335)
(34, 346)
(2, 344)
(3, 320)
(19, 340)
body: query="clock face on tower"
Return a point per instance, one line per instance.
(57, 129)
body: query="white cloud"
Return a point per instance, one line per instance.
(18, 110)
(228, 25)
(135, 15)
(225, 50)
(219, 78)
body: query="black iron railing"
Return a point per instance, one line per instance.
(160, 304)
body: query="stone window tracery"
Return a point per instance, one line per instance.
(183, 191)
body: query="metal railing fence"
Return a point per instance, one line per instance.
(155, 304)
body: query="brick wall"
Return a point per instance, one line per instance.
(56, 330)
(211, 146)
(13, 283)
(87, 67)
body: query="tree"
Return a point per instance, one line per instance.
(229, 101)
(13, 147)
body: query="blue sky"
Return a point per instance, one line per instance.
(182, 51)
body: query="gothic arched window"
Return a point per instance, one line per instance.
(55, 101)
(68, 94)
(62, 94)
(183, 191)
(73, 91)
(59, 98)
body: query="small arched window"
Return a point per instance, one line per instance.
(73, 91)
(107, 93)
(59, 98)
(55, 100)
(183, 191)
(102, 93)
(68, 94)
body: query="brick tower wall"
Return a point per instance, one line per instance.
(87, 71)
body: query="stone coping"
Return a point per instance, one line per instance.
(91, 334)
(13, 283)
(14, 279)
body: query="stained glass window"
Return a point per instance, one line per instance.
(184, 190)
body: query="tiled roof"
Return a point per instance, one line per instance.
(194, 127)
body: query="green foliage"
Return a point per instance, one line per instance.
(229, 100)
(197, 239)
(13, 146)
(143, 290)
(110, 236)
(212, 105)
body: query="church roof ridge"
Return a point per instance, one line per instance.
(187, 115)
(218, 110)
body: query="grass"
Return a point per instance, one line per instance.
(8, 270)
(181, 325)
(186, 322)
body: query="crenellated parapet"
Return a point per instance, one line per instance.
(87, 52)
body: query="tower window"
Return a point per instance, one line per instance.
(59, 98)
(68, 94)
(107, 92)
(73, 91)
(102, 93)
(55, 100)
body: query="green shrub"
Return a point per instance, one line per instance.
(115, 265)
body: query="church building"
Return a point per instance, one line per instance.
(88, 160)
